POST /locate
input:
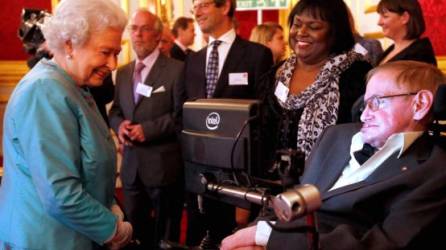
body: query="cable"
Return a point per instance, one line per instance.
(237, 138)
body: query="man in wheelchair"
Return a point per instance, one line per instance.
(382, 182)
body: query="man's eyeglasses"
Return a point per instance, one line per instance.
(142, 29)
(202, 5)
(374, 102)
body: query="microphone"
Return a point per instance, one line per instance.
(297, 202)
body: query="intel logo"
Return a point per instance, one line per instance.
(212, 121)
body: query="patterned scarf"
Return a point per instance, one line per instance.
(319, 101)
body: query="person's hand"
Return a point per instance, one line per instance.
(116, 210)
(242, 239)
(136, 133)
(123, 133)
(123, 235)
(250, 248)
(120, 148)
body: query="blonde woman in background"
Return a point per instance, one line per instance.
(271, 35)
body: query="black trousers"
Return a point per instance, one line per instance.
(154, 212)
(218, 218)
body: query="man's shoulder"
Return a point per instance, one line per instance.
(346, 126)
(439, 152)
(429, 146)
(125, 68)
(342, 131)
(197, 55)
(256, 47)
(176, 49)
(254, 53)
(171, 62)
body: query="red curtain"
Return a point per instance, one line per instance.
(435, 15)
(248, 19)
(11, 47)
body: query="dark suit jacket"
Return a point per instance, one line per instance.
(401, 205)
(177, 53)
(157, 160)
(420, 50)
(243, 56)
(103, 95)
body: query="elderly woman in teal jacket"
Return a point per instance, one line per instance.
(59, 158)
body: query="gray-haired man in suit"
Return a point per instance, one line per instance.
(142, 116)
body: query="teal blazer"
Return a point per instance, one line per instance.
(59, 166)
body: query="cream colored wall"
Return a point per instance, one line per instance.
(366, 19)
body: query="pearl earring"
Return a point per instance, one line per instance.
(69, 57)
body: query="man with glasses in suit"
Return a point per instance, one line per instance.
(184, 31)
(392, 199)
(229, 67)
(142, 115)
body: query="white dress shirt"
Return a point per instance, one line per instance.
(227, 40)
(179, 44)
(149, 61)
(354, 172)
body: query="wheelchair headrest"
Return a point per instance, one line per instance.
(439, 105)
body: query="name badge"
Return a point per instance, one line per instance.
(238, 78)
(281, 92)
(360, 49)
(144, 90)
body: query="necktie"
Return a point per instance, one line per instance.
(212, 69)
(364, 154)
(137, 79)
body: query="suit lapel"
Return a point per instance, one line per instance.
(154, 76)
(200, 66)
(328, 177)
(393, 166)
(411, 158)
(127, 86)
(390, 168)
(233, 59)
(330, 157)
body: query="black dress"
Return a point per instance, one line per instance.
(420, 50)
(279, 126)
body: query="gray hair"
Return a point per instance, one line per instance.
(77, 20)
(158, 25)
(264, 33)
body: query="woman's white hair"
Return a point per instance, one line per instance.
(77, 20)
